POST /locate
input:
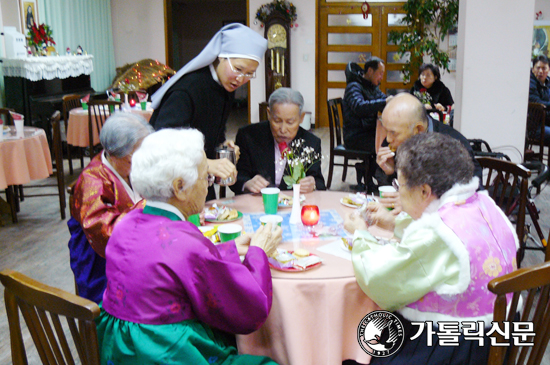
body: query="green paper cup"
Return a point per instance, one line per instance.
(386, 189)
(195, 219)
(271, 200)
(112, 108)
(274, 219)
(143, 105)
(84, 106)
(229, 232)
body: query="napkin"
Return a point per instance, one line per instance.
(85, 99)
(17, 116)
(142, 96)
(283, 147)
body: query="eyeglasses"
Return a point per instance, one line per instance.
(395, 184)
(209, 178)
(239, 73)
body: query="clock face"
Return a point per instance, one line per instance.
(276, 36)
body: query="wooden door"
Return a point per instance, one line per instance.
(345, 36)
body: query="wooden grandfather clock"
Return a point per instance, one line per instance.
(277, 56)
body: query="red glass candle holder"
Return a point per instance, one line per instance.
(310, 215)
(132, 103)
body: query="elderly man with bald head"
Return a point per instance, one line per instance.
(405, 116)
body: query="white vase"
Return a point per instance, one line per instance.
(126, 105)
(295, 217)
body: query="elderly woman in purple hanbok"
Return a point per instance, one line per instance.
(172, 296)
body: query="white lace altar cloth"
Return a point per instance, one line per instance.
(48, 68)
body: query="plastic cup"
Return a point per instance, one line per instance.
(274, 219)
(84, 106)
(143, 105)
(386, 189)
(195, 219)
(271, 200)
(229, 232)
(20, 127)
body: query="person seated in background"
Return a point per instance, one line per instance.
(263, 144)
(448, 244)
(360, 106)
(101, 196)
(539, 92)
(173, 296)
(404, 117)
(430, 90)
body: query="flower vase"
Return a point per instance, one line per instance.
(126, 105)
(295, 217)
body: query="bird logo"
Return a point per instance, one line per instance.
(380, 333)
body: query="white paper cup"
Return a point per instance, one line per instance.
(1, 132)
(20, 127)
(229, 232)
(275, 220)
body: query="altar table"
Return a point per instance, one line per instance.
(315, 313)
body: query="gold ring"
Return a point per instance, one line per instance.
(393, 205)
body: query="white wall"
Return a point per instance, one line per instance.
(302, 44)
(10, 14)
(492, 83)
(544, 6)
(138, 30)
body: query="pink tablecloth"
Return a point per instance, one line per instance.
(315, 314)
(77, 131)
(24, 159)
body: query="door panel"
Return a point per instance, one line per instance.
(345, 36)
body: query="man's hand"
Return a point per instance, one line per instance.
(307, 184)
(385, 159)
(222, 168)
(231, 143)
(256, 184)
(440, 107)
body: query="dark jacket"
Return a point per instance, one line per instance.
(439, 93)
(539, 93)
(360, 106)
(258, 156)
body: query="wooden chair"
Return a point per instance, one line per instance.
(507, 184)
(534, 134)
(98, 112)
(535, 282)
(337, 148)
(71, 101)
(35, 300)
(6, 116)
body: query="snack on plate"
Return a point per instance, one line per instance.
(305, 262)
(350, 201)
(285, 200)
(348, 243)
(299, 253)
(221, 213)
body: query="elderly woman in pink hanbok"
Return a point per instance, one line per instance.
(449, 242)
(172, 296)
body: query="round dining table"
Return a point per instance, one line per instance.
(315, 313)
(78, 132)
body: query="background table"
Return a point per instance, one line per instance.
(315, 314)
(24, 159)
(78, 133)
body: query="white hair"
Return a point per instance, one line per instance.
(164, 156)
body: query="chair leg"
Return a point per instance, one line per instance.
(21, 194)
(345, 172)
(330, 169)
(70, 159)
(10, 198)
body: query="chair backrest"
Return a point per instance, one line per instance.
(6, 116)
(534, 134)
(535, 281)
(335, 120)
(35, 300)
(98, 112)
(70, 102)
(507, 184)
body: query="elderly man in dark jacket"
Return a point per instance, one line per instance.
(539, 92)
(361, 104)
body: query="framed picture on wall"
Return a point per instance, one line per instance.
(29, 14)
(541, 35)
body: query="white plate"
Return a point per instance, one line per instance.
(302, 199)
(349, 205)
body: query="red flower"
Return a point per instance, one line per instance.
(423, 90)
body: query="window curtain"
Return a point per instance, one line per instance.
(86, 23)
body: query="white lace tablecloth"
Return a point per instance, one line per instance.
(48, 68)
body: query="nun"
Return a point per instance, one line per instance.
(201, 94)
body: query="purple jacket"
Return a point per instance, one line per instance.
(161, 270)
